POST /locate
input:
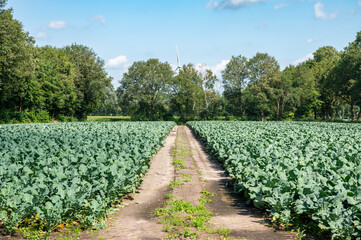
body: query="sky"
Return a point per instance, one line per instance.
(207, 32)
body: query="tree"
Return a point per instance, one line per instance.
(305, 96)
(287, 98)
(279, 91)
(2, 5)
(187, 99)
(17, 63)
(109, 106)
(235, 77)
(257, 99)
(144, 90)
(91, 79)
(211, 98)
(55, 74)
(325, 59)
(347, 76)
(264, 71)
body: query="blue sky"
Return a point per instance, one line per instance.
(207, 32)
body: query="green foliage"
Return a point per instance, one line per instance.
(347, 76)
(17, 64)
(208, 194)
(264, 76)
(144, 90)
(24, 117)
(54, 173)
(188, 97)
(175, 183)
(108, 118)
(91, 80)
(56, 74)
(70, 81)
(235, 77)
(183, 214)
(187, 177)
(307, 174)
(179, 163)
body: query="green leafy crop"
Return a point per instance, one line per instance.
(56, 173)
(306, 173)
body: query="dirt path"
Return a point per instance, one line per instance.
(245, 222)
(193, 173)
(134, 221)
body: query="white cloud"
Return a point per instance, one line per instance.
(120, 62)
(216, 69)
(57, 25)
(231, 4)
(320, 12)
(356, 8)
(116, 67)
(41, 35)
(303, 59)
(310, 40)
(282, 5)
(99, 18)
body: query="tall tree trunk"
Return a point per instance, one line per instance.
(332, 109)
(240, 98)
(205, 99)
(352, 111)
(332, 114)
(327, 113)
(359, 114)
(283, 106)
(262, 115)
(278, 109)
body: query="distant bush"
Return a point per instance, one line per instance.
(32, 116)
(27, 116)
(63, 118)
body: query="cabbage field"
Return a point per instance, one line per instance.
(305, 174)
(56, 173)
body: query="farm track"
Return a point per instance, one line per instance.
(229, 208)
(135, 221)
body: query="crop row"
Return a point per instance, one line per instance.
(305, 174)
(54, 173)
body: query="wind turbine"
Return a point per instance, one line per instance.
(179, 65)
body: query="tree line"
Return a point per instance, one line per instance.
(327, 87)
(38, 84)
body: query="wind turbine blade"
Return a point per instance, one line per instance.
(176, 47)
